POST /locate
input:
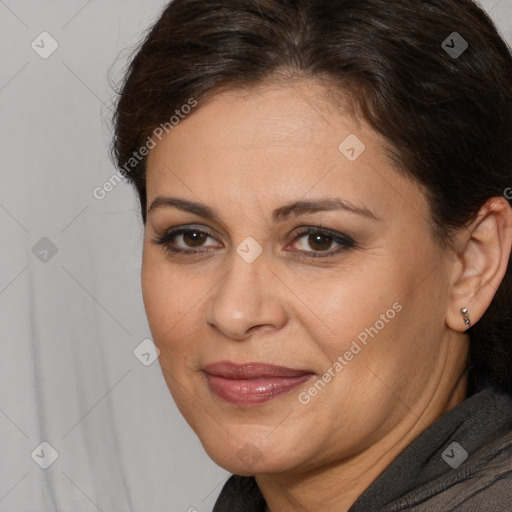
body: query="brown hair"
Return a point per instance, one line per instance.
(447, 117)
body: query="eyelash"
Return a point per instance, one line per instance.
(343, 240)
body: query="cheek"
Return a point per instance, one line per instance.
(155, 293)
(351, 301)
(169, 304)
(164, 295)
(174, 303)
(376, 312)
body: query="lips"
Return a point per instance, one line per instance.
(252, 383)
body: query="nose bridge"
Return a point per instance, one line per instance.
(245, 297)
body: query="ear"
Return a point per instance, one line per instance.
(482, 256)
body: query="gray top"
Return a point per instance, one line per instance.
(462, 462)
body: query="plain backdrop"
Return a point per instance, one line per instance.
(71, 314)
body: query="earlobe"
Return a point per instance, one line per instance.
(465, 312)
(481, 263)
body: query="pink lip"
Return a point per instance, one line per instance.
(252, 383)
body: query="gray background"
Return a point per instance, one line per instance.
(70, 320)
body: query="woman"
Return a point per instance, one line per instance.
(324, 190)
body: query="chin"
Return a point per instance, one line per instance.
(246, 459)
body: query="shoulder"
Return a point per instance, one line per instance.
(482, 483)
(463, 462)
(486, 483)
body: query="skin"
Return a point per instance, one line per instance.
(243, 154)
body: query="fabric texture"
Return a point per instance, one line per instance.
(462, 462)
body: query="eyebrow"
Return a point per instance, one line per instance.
(293, 209)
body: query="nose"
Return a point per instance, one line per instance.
(247, 299)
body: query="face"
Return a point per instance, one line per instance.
(332, 295)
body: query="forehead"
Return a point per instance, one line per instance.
(293, 121)
(282, 142)
(278, 112)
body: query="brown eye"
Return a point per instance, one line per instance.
(184, 240)
(194, 238)
(318, 240)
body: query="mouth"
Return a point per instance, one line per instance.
(252, 383)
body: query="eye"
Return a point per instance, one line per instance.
(321, 239)
(190, 238)
(318, 239)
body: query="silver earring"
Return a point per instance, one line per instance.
(464, 311)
